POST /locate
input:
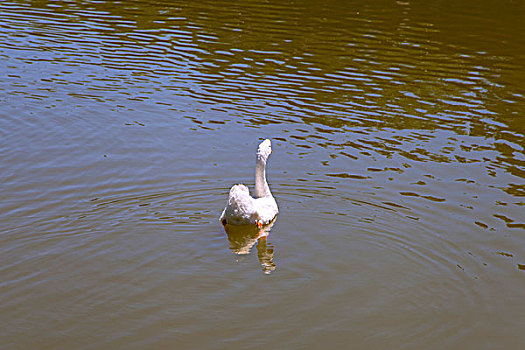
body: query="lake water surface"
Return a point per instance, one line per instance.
(398, 130)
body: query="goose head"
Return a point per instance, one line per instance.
(264, 150)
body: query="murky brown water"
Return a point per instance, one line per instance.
(399, 168)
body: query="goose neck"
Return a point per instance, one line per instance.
(261, 186)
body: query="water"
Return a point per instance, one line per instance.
(398, 166)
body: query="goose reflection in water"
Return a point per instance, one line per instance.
(243, 237)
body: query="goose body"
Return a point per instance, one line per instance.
(244, 209)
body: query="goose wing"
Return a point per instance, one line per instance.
(240, 208)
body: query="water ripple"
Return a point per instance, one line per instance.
(398, 168)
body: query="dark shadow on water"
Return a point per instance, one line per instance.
(242, 238)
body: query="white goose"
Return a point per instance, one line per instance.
(244, 209)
